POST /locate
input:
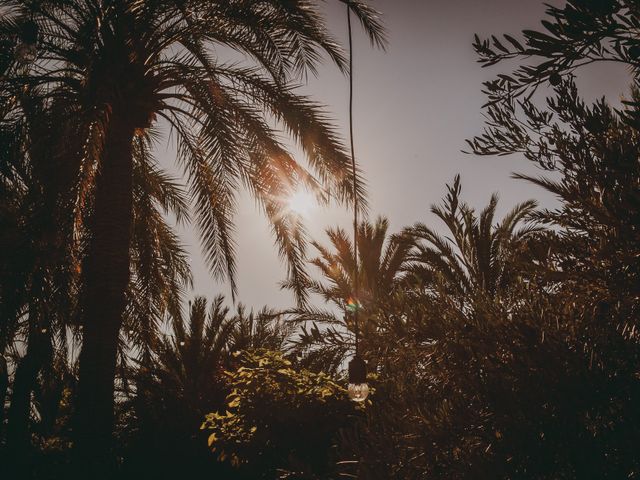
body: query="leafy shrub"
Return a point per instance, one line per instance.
(279, 420)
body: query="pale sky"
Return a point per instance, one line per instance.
(414, 107)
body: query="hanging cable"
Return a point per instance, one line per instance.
(358, 389)
(356, 273)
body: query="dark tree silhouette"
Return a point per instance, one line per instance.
(383, 262)
(121, 66)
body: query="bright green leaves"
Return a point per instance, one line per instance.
(276, 411)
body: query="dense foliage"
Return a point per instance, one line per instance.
(112, 71)
(279, 421)
(498, 348)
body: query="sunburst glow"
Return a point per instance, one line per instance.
(301, 203)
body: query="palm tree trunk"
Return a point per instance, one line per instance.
(4, 385)
(104, 302)
(23, 384)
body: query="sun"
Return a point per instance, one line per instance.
(301, 202)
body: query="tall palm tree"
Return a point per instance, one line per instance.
(38, 284)
(4, 386)
(40, 268)
(123, 65)
(477, 257)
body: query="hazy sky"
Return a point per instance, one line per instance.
(414, 107)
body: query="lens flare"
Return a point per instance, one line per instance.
(353, 305)
(301, 203)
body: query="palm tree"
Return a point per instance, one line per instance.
(37, 286)
(184, 381)
(189, 359)
(4, 385)
(160, 271)
(186, 364)
(479, 257)
(174, 388)
(122, 66)
(383, 261)
(264, 330)
(39, 278)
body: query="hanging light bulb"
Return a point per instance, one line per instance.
(358, 387)
(26, 50)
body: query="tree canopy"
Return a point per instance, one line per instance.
(497, 347)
